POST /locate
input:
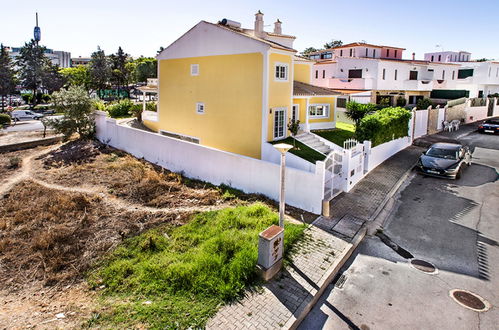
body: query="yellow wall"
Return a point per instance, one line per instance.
(279, 92)
(302, 103)
(152, 125)
(331, 100)
(302, 72)
(230, 86)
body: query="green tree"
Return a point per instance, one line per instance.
(33, 65)
(309, 50)
(120, 74)
(333, 43)
(77, 76)
(294, 127)
(160, 50)
(7, 75)
(100, 70)
(424, 103)
(78, 117)
(357, 111)
(145, 67)
(52, 79)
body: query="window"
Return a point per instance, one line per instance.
(318, 110)
(279, 123)
(341, 102)
(443, 74)
(453, 75)
(396, 51)
(281, 72)
(357, 73)
(374, 53)
(200, 108)
(316, 74)
(439, 58)
(464, 73)
(413, 75)
(396, 72)
(384, 74)
(367, 52)
(194, 69)
(295, 114)
(323, 74)
(341, 52)
(432, 58)
(351, 52)
(387, 53)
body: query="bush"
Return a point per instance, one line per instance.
(99, 105)
(136, 110)
(120, 109)
(357, 111)
(45, 98)
(384, 125)
(384, 102)
(27, 98)
(401, 101)
(4, 119)
(151, 106)
(424, 103)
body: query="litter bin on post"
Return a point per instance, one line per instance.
(270, 251)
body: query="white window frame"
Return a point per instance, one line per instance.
(297, 113)
(327, 111)
(200, 108)
(286, 71)
(284, 126)
(194, 69)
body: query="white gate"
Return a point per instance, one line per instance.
(421, 123)
(333, 181)
(440, 119)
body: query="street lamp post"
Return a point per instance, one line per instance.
(283, 148)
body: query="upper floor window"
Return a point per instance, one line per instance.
(396, 72)
(374, 53)
(367, 52)
(200, 108)
(464, 73)
(281, 72)
(356, 73)
(323, 74)
(194, 69)
(453, 75)
(439, 58)
(396, 51)
(351, 52)
(341, 52)
(443, 74)
(387, 53)
(384, 74)
(497, 72)
(432, 58)
(413, 75)
(316, 74)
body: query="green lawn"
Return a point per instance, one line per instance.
(338, 135)
(178, 276)
(302, 151)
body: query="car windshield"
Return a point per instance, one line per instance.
(29, 113)
(492, 121)
(442, 153)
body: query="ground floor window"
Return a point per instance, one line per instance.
(318, 110)
(279, 123)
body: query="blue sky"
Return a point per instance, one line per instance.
(141, 27)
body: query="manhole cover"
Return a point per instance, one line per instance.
(423, 266)
(470, 300)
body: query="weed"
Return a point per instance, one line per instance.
(14, 162)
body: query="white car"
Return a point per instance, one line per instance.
(18, 115)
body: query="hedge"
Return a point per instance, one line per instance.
(4, 119)
(384, 125)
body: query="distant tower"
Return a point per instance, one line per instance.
(37, 33)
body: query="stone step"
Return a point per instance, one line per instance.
(324, 149)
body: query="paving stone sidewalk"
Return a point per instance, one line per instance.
(281, 301)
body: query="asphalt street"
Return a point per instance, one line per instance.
(449, 223)
(28, 125)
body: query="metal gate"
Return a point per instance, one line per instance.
(333, 182)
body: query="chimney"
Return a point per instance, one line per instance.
(413, 56)
(277, 27)
(259, 25)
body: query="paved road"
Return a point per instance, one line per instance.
(28, 125)
(452, 224)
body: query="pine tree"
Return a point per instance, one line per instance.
(100, 71)
(53, 80)
(120, 74)
(7, 75)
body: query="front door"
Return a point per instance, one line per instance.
(279, 123)
(295, 115)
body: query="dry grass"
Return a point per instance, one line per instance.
(54, 237)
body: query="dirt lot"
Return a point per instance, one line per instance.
(18, 137)
(64, 207)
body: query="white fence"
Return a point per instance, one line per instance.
(271, 154)
(303, 189)
(420, 122)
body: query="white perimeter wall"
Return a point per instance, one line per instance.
(379, 154)
(303, 189)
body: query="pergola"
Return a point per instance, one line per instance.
(151, 87)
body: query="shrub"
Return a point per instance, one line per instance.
(14, 162)
(384, 102)
(384, 125)
(4, 119)
(99, 105)
(136, 110)
(151, 106)
(46, 98)
(401, 101)
(27, 98)
(424, 103)
(120, 109)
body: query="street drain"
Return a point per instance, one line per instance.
(423, 266)
(470, 300)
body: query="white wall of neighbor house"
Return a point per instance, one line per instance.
(304, 189)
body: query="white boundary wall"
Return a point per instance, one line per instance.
(379, 154)
(303, 189)
(271, 154)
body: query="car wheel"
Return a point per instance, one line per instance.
(458, 175)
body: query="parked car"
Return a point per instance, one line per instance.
(444, 160)
(490, 126)
(18, 115)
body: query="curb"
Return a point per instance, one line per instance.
(30, 144)
(305, 308)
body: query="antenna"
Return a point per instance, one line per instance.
(36, 19)
(37, 33)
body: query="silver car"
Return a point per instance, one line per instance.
(19, 115)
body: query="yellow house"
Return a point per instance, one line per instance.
(233, 89)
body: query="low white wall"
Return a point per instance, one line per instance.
(475, 114)
(270, 154)
(379, 154)
(324, 125)
(303, 189)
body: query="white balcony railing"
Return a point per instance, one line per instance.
(350, 83)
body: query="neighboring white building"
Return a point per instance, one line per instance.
(57, 57)
(379, 70)
(474, 79)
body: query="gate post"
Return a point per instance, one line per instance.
(367, 154)
(345, 168)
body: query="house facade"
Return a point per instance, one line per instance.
(231, 88)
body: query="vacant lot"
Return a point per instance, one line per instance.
(82, 209)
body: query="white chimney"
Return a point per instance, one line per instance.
(413, 56)
(277, 27)
(259, 25)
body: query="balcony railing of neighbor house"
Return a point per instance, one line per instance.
(350, 83)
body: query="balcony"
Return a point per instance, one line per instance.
(418, 85)
(350, 83)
